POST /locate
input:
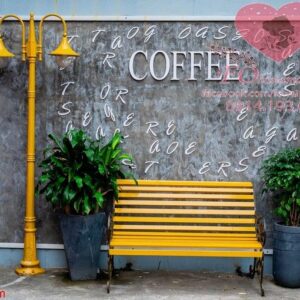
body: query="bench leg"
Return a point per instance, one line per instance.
(110, 270)
(260, 273)
(113, 270)
(252, 269)
(256, 268)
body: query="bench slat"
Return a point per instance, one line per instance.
(185, 241)
(184, 227)
(194, 238)
(207, 235)
(120, 219)
(187, 244)
(169, 252)
(141, 182)
(239, 212)
(184, 196)
(156, 189)
(182, 203)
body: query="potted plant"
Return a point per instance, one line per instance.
(79, 178)
(281, 175)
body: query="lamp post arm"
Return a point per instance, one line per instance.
(23, 32)
(40, 41)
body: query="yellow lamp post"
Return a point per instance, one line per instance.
(31, 51)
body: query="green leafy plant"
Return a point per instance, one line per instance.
(79, 174)
(281, 173)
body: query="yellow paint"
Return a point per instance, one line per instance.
(194, 238)
(185, 183)
(184, 227)
(4, 52)
(186, 189)
(23, 45)
(183, 203)
(170, 211)
(183, 220)
(164, 252)
(187, 234)
(64, 48)
(31, 50)
(187, 243)
(184, 196)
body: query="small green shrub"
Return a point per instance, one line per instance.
(281, 173)
(79, 174)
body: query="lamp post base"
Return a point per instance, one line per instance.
(29, 271)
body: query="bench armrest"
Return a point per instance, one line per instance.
(260, 229)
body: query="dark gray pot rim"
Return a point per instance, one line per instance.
(286, 229)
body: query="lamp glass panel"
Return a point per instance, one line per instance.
(64, 61)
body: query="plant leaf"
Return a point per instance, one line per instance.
(57, 142)
(79, 181)
(99, 198)
(101, 169)
(86, 205)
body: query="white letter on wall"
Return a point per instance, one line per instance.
(131, 69)
(167, 67)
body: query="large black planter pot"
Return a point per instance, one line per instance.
(82, 236)
(286, 256)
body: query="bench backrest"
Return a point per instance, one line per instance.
(185, 208)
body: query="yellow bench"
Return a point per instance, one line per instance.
(186, 218)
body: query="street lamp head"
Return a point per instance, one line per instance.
(64, 48)
(3, 50)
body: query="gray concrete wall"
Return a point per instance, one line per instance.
(85, 94)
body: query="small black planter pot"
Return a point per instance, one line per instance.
(82, 236)
(286, 256)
